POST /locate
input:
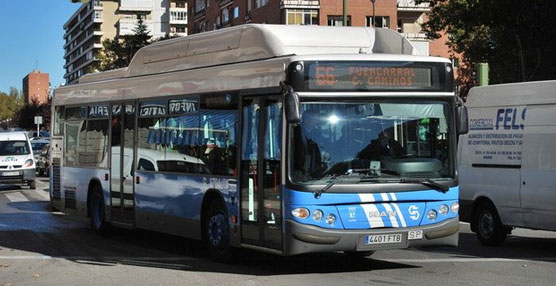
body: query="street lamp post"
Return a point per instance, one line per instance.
(373, 19)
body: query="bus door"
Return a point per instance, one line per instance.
(261, 188)
(122, 162)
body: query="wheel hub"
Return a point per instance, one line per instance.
(487, 224)
(217, 230)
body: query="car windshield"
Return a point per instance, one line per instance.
(371, 142)
(14, 148)
(38, 146)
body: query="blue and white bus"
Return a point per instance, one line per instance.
(284, 139)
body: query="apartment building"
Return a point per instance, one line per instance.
(36, 87)
(98, 20)
(405, 16)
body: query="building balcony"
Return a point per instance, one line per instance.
(299, 4)
(176, 34)
(177, 21)
(176, 9)
(225, 2)
(415, 36)
(178, 16)
(410, 5)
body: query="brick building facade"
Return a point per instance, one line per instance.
(404, 16)
(36, 87)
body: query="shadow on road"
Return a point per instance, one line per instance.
(58, 236)
(515, 247)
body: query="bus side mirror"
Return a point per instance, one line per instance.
(293, 108)
(462, 120)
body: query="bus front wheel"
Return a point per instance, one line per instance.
(489, 228)
(217, 232)
(96, 212)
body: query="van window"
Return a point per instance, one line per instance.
(145, 165)
(14, 148)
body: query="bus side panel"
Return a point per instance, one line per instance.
(171, 203)
(75, 187)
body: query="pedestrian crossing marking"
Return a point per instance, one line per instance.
(44, 195)
(17, 197)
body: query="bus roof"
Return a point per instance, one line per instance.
(522, 93)
(256, 42)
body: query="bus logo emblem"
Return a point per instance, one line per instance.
(352, 212)
(414, 212)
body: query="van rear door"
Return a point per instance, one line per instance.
(538, 172)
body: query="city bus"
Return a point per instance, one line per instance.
(283, 139)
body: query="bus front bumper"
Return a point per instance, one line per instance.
(308, 238)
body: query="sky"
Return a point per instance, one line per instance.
(31, 36)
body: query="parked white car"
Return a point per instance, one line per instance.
(17, 165)
(507, 161)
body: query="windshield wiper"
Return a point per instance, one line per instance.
(335, 179)
(426, 182)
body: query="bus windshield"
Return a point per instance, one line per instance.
(371, 142)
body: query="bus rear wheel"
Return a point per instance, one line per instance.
(217, 232)
(96, 212)
(489, 228)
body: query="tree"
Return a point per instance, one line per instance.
(26, 116)
(10, 105)
(118, 52)
(512, 36)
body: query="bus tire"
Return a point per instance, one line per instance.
(217, 232)
(489, 228)
(96, 212)
(32, 185)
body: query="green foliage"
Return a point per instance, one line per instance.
(26, 116)
(118, 52)
(515, 37)
(10, 105)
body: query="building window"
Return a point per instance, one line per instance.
(180, 4)
(180, 29)
(260, 3)
(381, 21)
(236, 12)
(338, 21)
(302, 17)
(200, 6)
(225, 16)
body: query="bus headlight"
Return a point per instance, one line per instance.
(432, 214)
(330, 219)
(317, 215)
(443, 209)
(301, 213)
(455, 207)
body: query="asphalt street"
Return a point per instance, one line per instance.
(41, 247)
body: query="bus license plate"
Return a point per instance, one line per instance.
(383, 238)
(10, 174)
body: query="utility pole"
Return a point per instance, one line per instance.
(344, 13)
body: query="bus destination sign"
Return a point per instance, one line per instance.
(369, 75)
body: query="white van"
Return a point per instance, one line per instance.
(17, 164)
(507, 161)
